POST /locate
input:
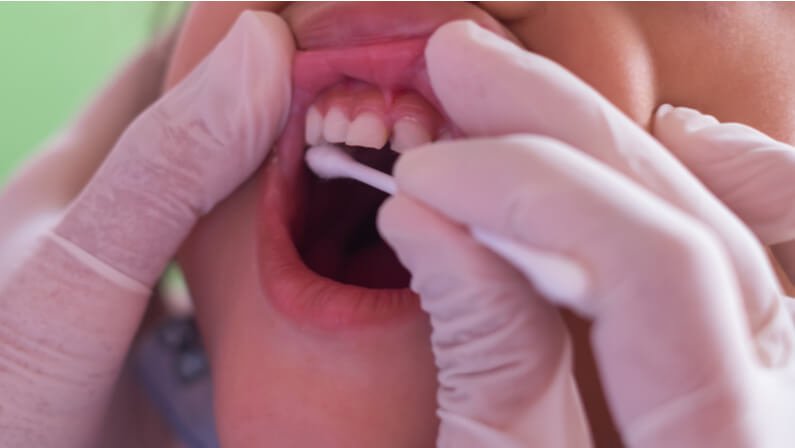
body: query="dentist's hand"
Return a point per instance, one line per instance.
(69, 309)
(753, 174)
(39, 191)
(691, 333)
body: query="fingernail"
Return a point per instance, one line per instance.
(664, 110)
(690, 119)
(695, 120)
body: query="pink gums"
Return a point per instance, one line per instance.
(394, 67)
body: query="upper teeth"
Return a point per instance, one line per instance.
(408, 133)
(336, 126)
(367, 129)
(411, 121)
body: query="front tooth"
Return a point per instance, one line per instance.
(369, 130)
(314, 127)
(335, 126)
(408, 133)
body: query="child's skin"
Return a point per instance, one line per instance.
(731, 61)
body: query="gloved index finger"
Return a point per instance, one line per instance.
(69, 311)
(187, 152)
(510, 90)
(38, 192)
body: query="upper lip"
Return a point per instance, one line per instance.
(319, 25)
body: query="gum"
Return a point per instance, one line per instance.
(390, 66)
(393, 67)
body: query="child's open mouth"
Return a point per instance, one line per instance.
(321, 259)
(339, 239)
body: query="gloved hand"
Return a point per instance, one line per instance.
(38, 192)
(690, 331)
(747, 170)
(70, 308)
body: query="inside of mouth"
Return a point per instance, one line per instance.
(335, 232)
(339, 239)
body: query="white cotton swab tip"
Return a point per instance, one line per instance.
(329, 162)
(552, 274)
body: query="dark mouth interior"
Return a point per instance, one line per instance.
(339, 239)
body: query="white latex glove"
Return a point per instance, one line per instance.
(70, 308)
(38, 192)
(748, 171)
(690, 333)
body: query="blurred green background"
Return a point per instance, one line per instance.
(54, 55)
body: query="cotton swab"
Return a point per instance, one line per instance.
(329, 161)
(551, 274)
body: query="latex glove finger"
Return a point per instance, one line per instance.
(68, 313)
(188, 151)
(503, 354)
(750, 172)
(669, 334)
(94, 131)
(536, 95)
(38, 192)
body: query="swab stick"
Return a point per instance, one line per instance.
(329, 162)
(552, 274)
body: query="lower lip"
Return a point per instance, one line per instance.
(294, 290)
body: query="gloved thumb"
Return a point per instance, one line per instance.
(747, 170)
(186, 152)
